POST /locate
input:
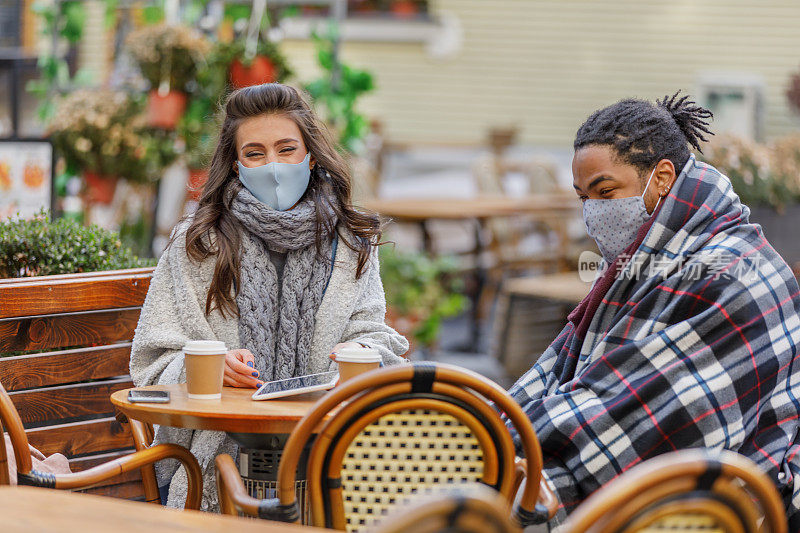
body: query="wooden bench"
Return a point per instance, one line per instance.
(531, 312)
(69, 339)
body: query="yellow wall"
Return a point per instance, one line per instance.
(546, 65)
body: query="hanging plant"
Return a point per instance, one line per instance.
(267, 66)
(101, 133)
(168, 57)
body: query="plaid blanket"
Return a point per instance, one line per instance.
(694, 344)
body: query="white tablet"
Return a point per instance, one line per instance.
(298, 385)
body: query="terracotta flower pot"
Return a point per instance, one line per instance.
(100, 188)
(405, 9)
(261, 70)
(165, 111)
(196, 182)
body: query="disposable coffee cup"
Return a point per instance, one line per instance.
(355, 361)
(205, 365)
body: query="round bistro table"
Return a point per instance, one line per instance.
(261, 428)
(235, 412)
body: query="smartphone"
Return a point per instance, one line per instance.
(152, 396)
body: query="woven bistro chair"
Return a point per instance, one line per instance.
(10, 421)
(686, 491)
(472, 508)
(390, 432)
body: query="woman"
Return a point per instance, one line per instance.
(689, 337)
(275, 262)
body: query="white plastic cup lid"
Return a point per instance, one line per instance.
(205, 348)
(358, 355)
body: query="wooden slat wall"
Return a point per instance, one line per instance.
(73, 292)
(82, 438)
(78, 401)
(71, 329)
(62, 396)
(66, 366)
(546, 65)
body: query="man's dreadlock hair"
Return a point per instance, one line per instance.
(642, 133)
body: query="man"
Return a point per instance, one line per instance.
(689, 339)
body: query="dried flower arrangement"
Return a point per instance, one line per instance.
(168, 54)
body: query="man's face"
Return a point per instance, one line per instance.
(597, 174)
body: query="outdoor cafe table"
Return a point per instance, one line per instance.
(33, 509)
(236, 412)
(554, 209)
(550, 206)
(260, 427)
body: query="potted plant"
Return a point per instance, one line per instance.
(38, 247)
(420, 293)
(364, 7)
(268, 65)
(101, 133)
(168, 57)
(405, 8)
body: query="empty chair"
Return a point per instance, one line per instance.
(26, 475)
(689, 490)
(388, 433)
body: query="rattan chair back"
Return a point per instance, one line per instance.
(471, 508)
(391, 432)
(685, 491)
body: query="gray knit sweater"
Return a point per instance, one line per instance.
(174, 312)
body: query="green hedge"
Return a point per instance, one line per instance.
(38, 247)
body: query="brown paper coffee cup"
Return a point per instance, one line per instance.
(355, 361)
(205, 365)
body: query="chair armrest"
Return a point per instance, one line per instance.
(136, 460)
(233, 497)
(142, 440)
(272, 509)
(546, 503)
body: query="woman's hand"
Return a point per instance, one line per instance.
(239, 371)
(343, 345)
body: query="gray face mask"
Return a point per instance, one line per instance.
(613, 224)
(278, 185)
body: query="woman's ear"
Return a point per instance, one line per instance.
(311, 162)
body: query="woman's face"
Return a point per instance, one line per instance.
(270, 139)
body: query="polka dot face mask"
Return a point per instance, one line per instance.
(613, 224)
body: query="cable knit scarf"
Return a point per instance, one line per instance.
(278, 333)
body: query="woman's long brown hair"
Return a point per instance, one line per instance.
(214, 231)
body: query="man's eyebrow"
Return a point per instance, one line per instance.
(600, 179)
